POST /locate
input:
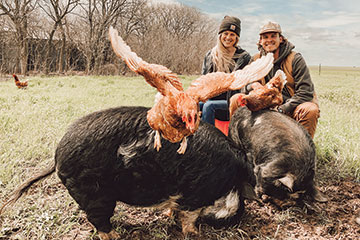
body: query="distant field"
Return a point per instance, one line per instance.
(32, 121)
(332, 68)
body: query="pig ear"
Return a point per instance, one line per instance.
(248, 192)
(287, 181)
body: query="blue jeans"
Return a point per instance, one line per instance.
(208, 109)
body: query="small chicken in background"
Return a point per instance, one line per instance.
(175, 114)
(262, 96)
(20, 84)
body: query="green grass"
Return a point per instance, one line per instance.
(338, 134)
(32, 121)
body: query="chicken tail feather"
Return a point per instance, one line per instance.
(16, 78)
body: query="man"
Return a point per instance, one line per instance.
(299, 97)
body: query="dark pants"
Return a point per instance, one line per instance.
(209, 107)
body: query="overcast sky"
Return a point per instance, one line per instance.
(326, 32)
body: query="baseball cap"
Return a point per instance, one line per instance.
(270, 27)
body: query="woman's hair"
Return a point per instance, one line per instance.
(222, 58)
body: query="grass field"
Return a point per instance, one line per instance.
(32, 121)
(338, 133)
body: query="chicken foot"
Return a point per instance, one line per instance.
(157, 141)
(183, 146)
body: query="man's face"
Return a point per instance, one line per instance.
(270, 41)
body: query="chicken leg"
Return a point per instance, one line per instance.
(183, 146)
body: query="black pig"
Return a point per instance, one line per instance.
(283, 153)
(109, 156)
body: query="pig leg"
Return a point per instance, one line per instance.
(188, 219)
(99, 209)
(315, 194)
(109, 236)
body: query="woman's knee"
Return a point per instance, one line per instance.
(208, 106)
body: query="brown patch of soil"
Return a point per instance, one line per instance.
(335, 219)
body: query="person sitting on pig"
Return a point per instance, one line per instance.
(300, 101)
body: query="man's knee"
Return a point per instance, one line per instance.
(307, 110)
(307, 115)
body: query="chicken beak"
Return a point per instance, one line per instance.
(241, 101)
(190, 123)
(191, 127)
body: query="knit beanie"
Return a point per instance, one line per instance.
(230, 24)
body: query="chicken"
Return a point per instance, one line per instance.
(262, 96)
(20, 84)
(175, 114)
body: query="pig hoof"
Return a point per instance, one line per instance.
(265, 198)
(188, 220)
(168, 212)
(189, 230)
(112, 235)
(319, 197)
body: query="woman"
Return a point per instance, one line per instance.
(227, 57)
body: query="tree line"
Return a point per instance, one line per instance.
(60, 36)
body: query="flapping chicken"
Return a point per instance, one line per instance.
(262, 96)
(175, 114)
(20, 84)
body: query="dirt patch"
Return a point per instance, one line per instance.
(335, 219)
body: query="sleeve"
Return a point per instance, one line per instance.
(304, 87)
(242, 61)
(207, 65)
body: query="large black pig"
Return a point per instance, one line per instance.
(282, 151)
(109, 156)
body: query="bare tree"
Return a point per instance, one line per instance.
(97, 16)
(18, 11)
(173, 35)
(179, 20)
(56, 10)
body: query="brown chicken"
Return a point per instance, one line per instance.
(175, 114)
(20, 84)
(262, 96)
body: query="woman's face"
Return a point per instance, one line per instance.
(228, 39)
